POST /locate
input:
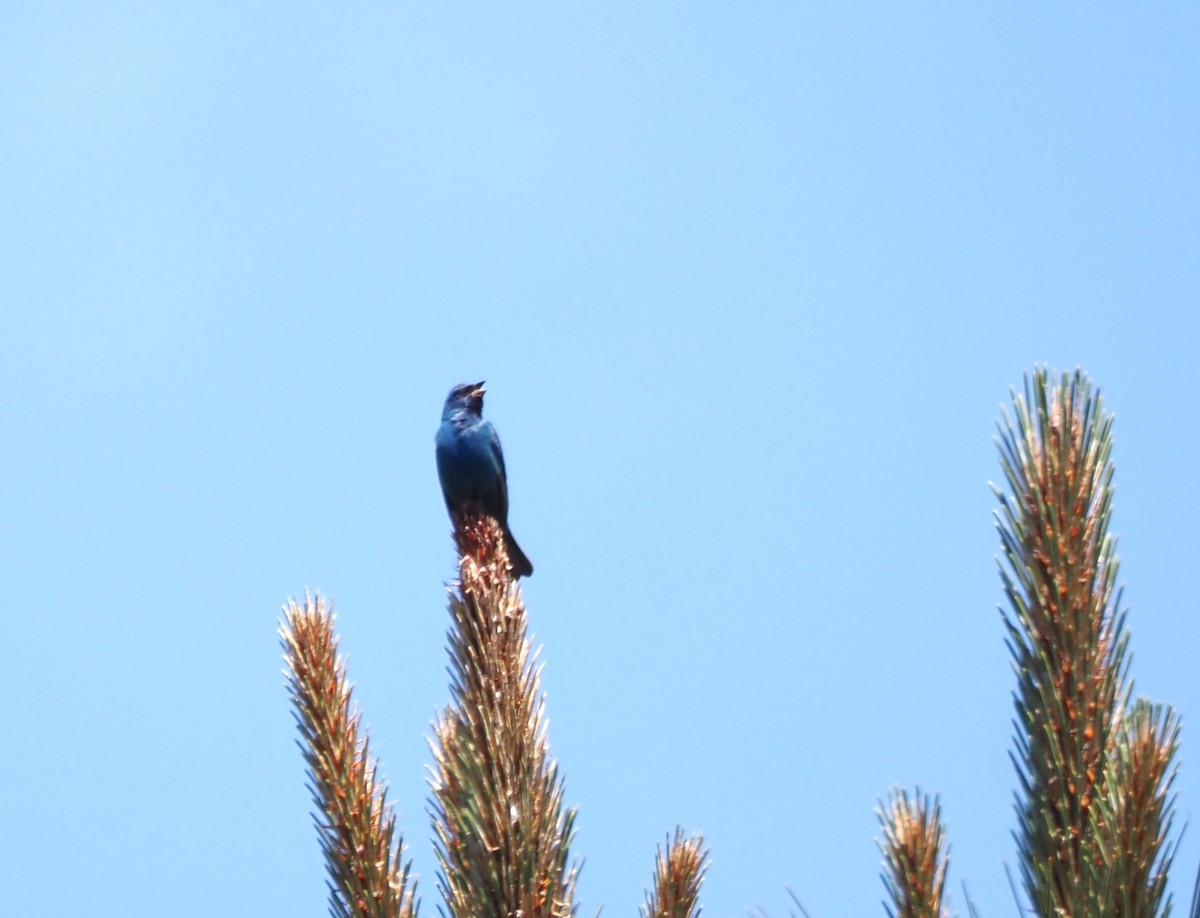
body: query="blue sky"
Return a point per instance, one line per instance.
(748, 283)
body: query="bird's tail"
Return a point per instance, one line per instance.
(521, 565)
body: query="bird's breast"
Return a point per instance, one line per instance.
(466, 464)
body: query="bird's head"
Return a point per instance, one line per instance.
(468, 397)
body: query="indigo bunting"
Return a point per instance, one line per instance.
(471, 465)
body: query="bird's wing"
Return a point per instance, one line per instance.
(498, 454)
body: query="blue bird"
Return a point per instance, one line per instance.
(470, 465)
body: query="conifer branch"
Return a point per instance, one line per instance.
(915, 856)
(1136, 811)
(502, 832)
(1094, 801)
(356, 824)
(678, 872)
(1065, 628)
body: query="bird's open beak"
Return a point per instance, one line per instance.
(478, 391)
